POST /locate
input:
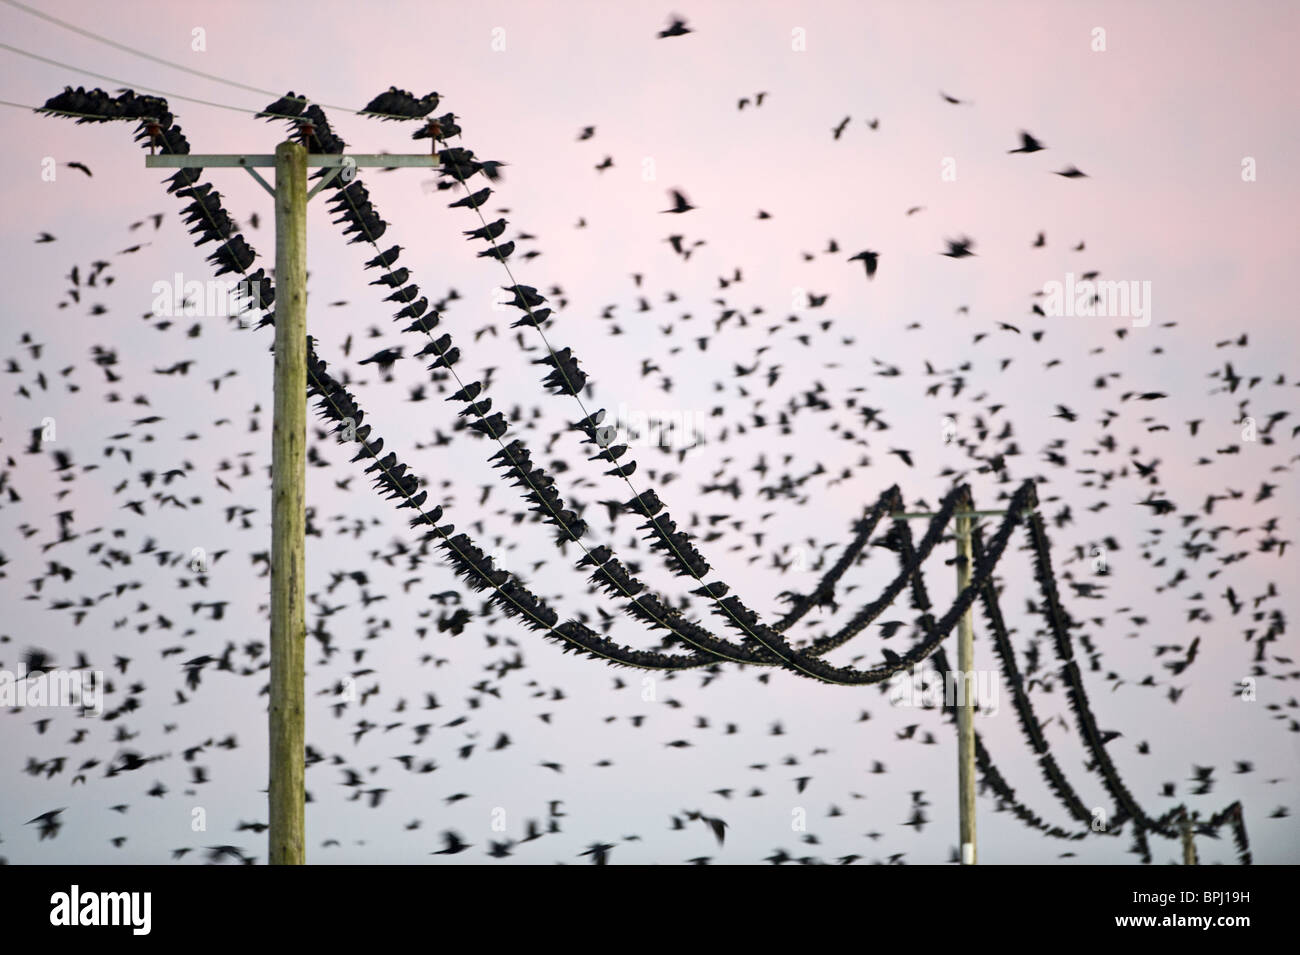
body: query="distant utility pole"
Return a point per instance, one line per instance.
(1189, 839)
(965, 678)
(966, 711)
(287, 793)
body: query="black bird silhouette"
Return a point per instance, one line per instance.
(394, 104)
(48, 823)
(868, 259)
(676, 27)
(501, 251)
(599, 852)
(452, 844)
(680, 204)
(959, 248)
(1028, 144)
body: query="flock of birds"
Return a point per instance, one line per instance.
(759, 397)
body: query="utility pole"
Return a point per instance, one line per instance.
(965, 677)
(966, 701)
(286, 719)
(288, 510)
(1189, 840)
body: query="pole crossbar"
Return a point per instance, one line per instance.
(314, 160)
(927, 515)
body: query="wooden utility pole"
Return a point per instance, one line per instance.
(288, 509)
(964, 677)
(1189, 841)
(287, 719)
(966, 703)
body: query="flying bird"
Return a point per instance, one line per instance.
(1028, 144)
(680, 203)
(868, 260)
(676, 27)
(959, 248)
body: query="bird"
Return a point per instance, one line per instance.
(676, 27)
(81, 166)
(868, 260)
(599, 852)
(501, 251)
(452, 844)
(680, 203)
(48, 824)
(1028, 144)
(903, 455)
(1071, 172)
(959, 248)
(489, 231)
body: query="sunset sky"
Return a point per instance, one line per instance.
(1185, 125)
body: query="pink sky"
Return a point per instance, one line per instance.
(1161, 122)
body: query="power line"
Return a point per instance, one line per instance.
(148, 56)
(260, 113)
(114, 79)
(60, 112)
